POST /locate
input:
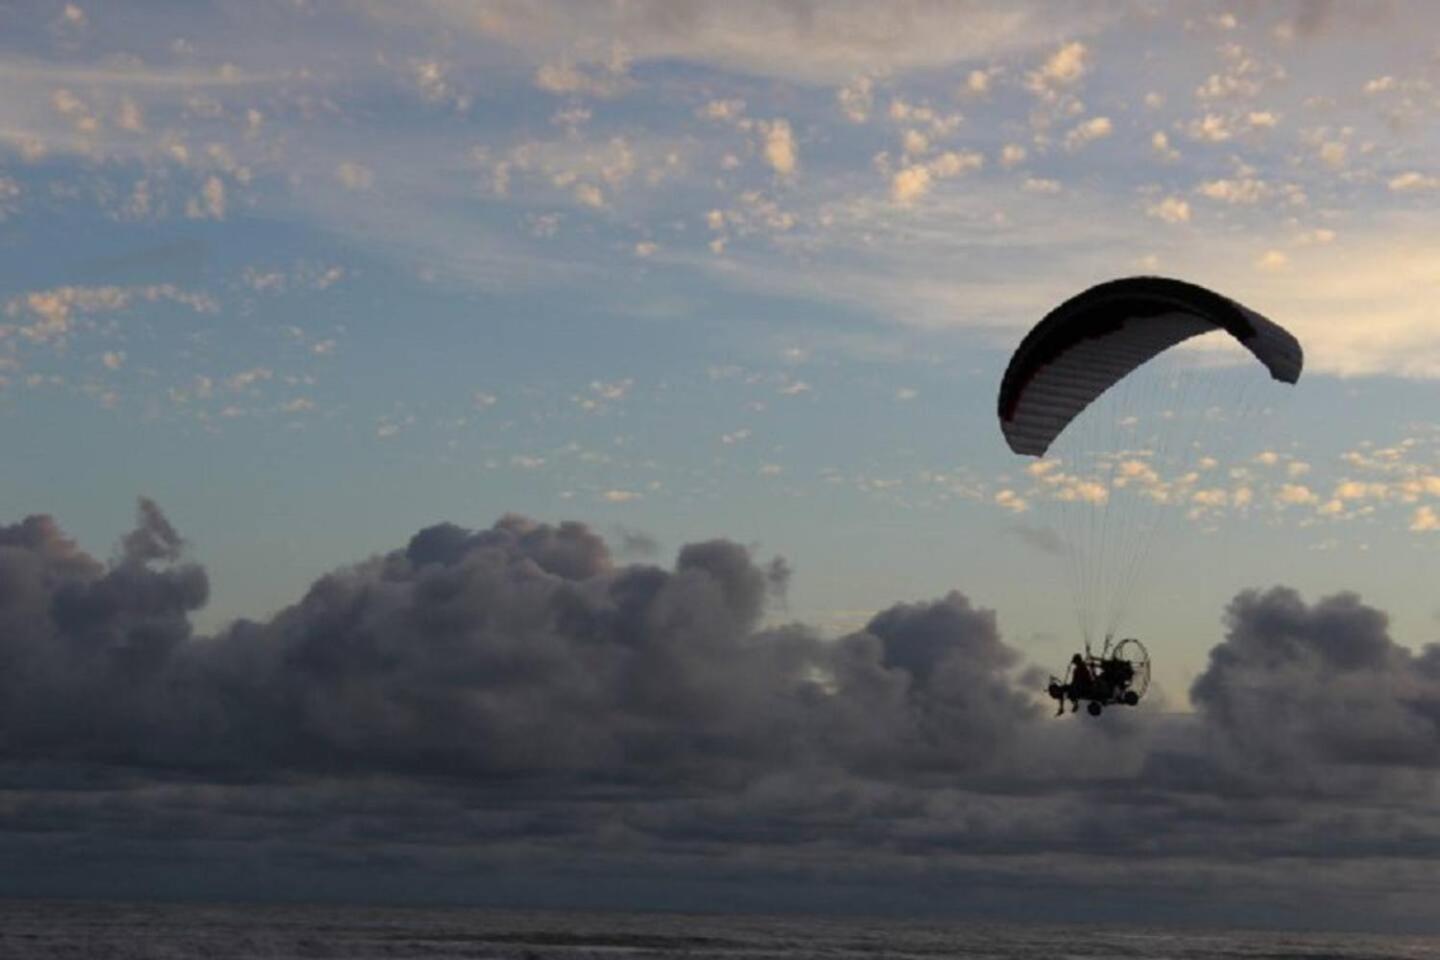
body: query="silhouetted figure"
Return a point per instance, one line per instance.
(1081, 684)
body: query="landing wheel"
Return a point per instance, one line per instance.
(1131, 698)
(1094, 708)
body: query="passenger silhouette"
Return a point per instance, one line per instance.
(1081, 684)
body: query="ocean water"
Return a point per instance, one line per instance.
(116, 931)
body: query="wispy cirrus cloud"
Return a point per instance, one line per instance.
(813, 44)
(190, 133)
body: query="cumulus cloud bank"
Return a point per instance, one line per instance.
(521, 649)
(519, 693)
(1308, 687)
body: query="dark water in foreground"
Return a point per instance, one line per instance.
(35, 929)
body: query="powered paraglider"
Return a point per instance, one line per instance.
(1120, 450)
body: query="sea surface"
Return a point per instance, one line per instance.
(108, 931)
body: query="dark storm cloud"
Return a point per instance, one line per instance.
(514, 700)
(1300, 685)
(520, 649)
(527, 649)
(92, 652)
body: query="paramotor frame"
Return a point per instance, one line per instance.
(1120, 675)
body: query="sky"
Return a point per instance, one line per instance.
(545, 453)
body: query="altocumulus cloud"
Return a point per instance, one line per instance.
(514, 712)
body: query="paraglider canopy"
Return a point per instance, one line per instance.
(1129, 441)
(1093, 340)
